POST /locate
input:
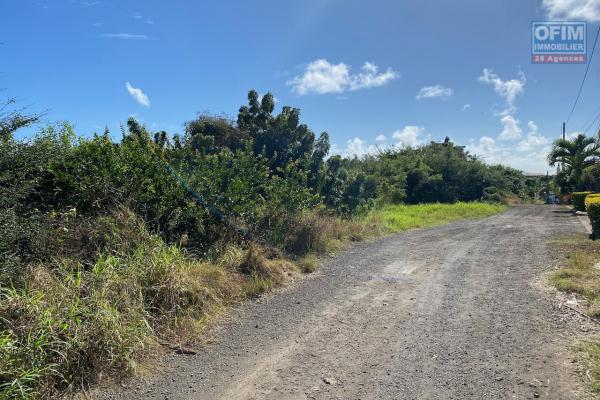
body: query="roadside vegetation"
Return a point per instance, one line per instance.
(111, 250)
(578, 158)
(578, 180)
(579, 275)
(399, 217)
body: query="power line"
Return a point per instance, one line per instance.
(598, 129)
(591, 120)
(587, 68)
(591, 123)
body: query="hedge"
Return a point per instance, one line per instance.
(592, 205)
(578, 200)
(591, 196)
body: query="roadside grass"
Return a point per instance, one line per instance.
(398, 218)
(588, 355)
(578, 275)
(74, 321)
(70, 323)
(319, 234)
(578, 256)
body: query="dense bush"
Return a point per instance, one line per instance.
(592, 206)
(578, 200)
(438, 172)
(591, 177)
(256, 176)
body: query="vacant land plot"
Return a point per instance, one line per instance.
(445, 312)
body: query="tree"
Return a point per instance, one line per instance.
(591, 178)
(210, 134)
(575, 155)
(282, 139)
(13, 119)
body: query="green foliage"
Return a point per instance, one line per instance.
(588, 354)
(70, 323)
(592, 207)
(438, 172)
(26, 196)
(575, 156)
(282, 139)
(591, 177)
(578, 275)
(397, 217)
(13, 119)
(211, 134)
(578, 200)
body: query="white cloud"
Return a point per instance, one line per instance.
(323, 77)
(409, 135)
(510, 128)
(533, 140)
(533, 128)
(509, 89)
(528, 155)
(138, 95)
(440, 91)
(380, 138)
(487, 143)
(125, 36)
(587, 10)
(466, 107)
(485, 147)
(370, 77)
(533, 160)
(355, 147)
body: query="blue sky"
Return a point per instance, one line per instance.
(369, 73)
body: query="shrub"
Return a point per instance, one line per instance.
(578, 200)
(592, 206)
(308, 264)
(68, 323)
(491, 195)
(590, 197)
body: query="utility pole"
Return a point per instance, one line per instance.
(564, 136)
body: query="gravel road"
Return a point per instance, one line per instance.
(441, 313)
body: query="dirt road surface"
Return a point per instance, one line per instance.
(441, 313)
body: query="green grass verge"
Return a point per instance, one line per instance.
(578, 256)
(587, 353)
(397, 218)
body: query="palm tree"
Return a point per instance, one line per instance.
(575, 155)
